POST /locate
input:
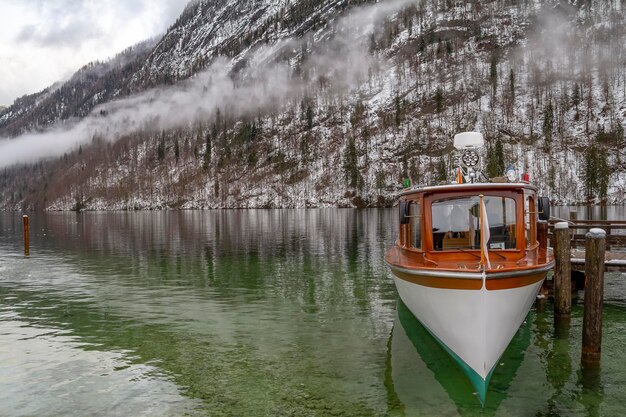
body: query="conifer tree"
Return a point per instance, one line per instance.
(495, 160)
(398, 107)
(380, 181)
(512, 84)
(442, 171)
(590, 172)
(161, 147)
(576, 96)
(309, 117)
(207, 153)
(493, 72)
(439, 100)
(350, 164)
(548, 124)
(604, 173)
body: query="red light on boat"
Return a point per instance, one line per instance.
(525, 177)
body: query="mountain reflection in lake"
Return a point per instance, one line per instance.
(260, 312)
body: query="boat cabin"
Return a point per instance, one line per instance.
(442, 223)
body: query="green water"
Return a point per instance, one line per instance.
(257, 313)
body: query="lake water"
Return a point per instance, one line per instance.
(257, 313)
(591, 212)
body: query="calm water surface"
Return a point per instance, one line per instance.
(257, 313)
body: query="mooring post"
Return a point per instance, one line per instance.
(573, 217)
(562, 272)
(595, 246)
(26, 238)
(542, 253)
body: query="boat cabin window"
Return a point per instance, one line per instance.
(456, 223)
(530, 220)
(411, 223)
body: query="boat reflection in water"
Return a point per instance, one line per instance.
(422, 376)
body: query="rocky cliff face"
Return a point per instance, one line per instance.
(331, 103)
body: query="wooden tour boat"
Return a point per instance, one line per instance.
(467, 262)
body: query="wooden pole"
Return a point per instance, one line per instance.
(26, 237)
(573, 217)
(595, 245)
(484, 236)
(562, 271)
(542, 238)
(542, 253)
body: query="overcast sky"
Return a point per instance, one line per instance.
(44, 41)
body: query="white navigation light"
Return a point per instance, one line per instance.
(468, 140)
(470, 158)
(511, 173)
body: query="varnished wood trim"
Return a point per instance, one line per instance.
(514, 282)
(437, 282)
(471, 281)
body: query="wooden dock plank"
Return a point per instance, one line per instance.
(614, 260)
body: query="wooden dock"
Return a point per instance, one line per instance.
(615, 255)
(614, 261)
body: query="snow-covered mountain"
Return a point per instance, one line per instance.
(301, 103)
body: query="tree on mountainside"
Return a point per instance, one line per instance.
(596, 173)
(495, 160)
(350, 164)
(576, 96)
(442, 171)
(439, 100)
(161, 147)
(548, 125)
(512, 85)
(493, 73)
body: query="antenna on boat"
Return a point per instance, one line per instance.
(469, 143)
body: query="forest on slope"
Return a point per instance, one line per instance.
(330, 103)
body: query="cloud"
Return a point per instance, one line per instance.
(45, 41)
(71, 34)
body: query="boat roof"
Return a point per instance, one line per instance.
(468, 187)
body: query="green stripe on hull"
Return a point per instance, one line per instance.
(452, 377)
(474, 378)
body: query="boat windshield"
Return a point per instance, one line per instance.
(456, 223)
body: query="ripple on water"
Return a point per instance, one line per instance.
(47, 371)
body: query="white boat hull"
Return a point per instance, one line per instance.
(476, 325)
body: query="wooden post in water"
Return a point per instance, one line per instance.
(542, 253)
(595, 245)
(573, 217)
(26, 237)
(562, 272)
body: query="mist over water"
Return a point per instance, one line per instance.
(264, 84)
